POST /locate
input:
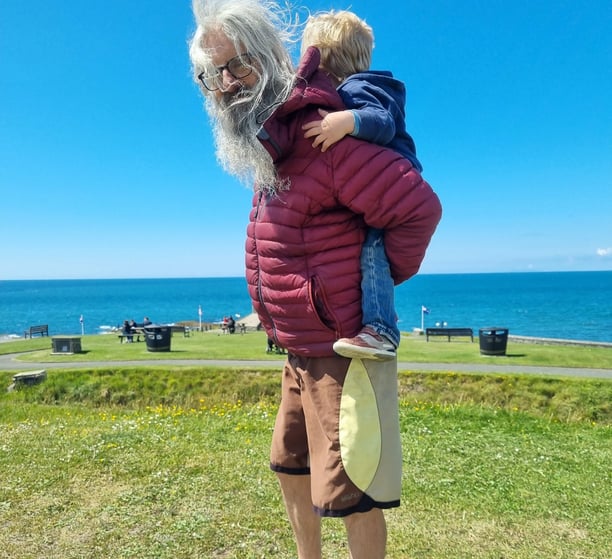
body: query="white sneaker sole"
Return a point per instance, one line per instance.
(356, 352)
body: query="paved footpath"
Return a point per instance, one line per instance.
(9, 362)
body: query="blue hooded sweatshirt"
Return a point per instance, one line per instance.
(377, 100)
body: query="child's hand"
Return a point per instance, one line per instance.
(331, 129)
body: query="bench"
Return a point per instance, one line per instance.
(449, 332)
(185, 330)
(124, 337)
(42, 330)
(135, 334)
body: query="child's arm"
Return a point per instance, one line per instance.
(331, 129)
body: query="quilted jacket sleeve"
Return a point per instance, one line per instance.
(390, 194)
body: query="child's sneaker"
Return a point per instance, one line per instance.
(365, 345)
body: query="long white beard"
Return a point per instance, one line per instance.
(235, 126)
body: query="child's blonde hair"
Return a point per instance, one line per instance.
(344, 40)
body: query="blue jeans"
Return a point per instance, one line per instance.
(377, 289)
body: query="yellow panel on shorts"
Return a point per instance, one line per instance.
(359, 428)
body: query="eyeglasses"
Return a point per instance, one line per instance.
(239, 67)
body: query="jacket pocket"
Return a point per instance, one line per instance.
(320, 304)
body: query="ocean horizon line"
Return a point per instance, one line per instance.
(157, 278)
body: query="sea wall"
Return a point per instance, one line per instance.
(555, 341)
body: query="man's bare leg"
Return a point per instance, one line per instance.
(305, 522)
(367, 534)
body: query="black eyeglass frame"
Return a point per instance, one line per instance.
(245, 62)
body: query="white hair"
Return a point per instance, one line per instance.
(256, 27)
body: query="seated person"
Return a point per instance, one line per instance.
(127, 331)
(270, 347)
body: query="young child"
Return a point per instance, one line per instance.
(375, 112)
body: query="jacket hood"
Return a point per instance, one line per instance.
(312, 88)
(382, 79)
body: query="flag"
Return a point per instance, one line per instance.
(81, 319)
(424, 310)
(200, 310)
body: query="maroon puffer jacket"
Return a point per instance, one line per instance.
(303, 244)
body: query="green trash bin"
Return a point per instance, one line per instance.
(493, 341)
(158, 337)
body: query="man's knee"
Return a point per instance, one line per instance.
(367, 534)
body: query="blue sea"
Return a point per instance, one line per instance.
(566, 305)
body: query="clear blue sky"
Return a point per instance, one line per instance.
(107, 166)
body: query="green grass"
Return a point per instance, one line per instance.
(565, 400)
(210, 345)
(158, 461)
(200, 345)
(172, 482)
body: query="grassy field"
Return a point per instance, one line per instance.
(158, 461)
(210, 345)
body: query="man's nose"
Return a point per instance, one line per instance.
(230, 83)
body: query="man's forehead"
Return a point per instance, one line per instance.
(220, 47)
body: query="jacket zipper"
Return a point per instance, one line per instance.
(260, 200)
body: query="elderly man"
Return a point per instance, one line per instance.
(336, 442)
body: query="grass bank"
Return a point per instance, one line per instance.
(564, 400)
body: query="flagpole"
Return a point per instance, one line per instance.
(82, 326)
(424, 311)
(200, 315)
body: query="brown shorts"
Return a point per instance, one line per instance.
(338, 422)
